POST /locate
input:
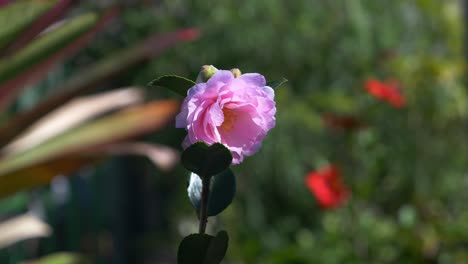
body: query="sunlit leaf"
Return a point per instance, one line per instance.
(46, 45)
(222, 191)
(60, 258)
(17, 16)
(163, 157)
(26, 35)
(22, 227)
(41, 174)
(90, 78)
(35, 61)
(103, 131)
(73, 114)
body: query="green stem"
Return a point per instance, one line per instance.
(204, 204)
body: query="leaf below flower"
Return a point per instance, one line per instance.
(222, 191)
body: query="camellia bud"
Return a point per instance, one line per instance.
(205, 73)
(236, 72)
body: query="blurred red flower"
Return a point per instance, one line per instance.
(388, 91)
(327, 186)
(346, 122)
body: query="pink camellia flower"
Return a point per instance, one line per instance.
(237, 112)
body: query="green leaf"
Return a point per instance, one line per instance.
(14, 204)
(91, 77)
(276, 83)
(35, 28)
(17, 16)
(40, 174)
(61, 258)
(32, 63)
(203, 249)
(222, 191)
(45, 45)
(174, 83)
(206, 160)
(217, 249)
(193, 248)
(24, 169)
(72, 115)
(22, 227)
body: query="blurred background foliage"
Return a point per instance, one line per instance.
(407, 168)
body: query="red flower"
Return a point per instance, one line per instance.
(347, 122)
(327, 186)
(388, 91)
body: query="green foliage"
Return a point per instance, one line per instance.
(206, 160)
(203, 249)
(222, 191)
(18, 16)
(81, 139)
(177, 84)
(193, 248)
(45, 46)
(61, 258)
(54, 138)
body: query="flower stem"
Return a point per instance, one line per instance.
(204, 204)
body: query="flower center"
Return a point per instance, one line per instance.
(230, 118)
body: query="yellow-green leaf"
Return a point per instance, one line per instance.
(61, 258)
(17, 16)
(103, 131)
(40, 174)
(46, 45)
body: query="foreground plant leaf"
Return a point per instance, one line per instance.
(44, 20)
(203, 249)
(35, 61)
(206, 160)
(90, 78)
(163, 157)
(45, 45)
(41, 174)
(4, 3)
(73, 114)
(22, 227)
(177, 84)
(101, 132)
(17, 16)
(222, 191)
(60, 258)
